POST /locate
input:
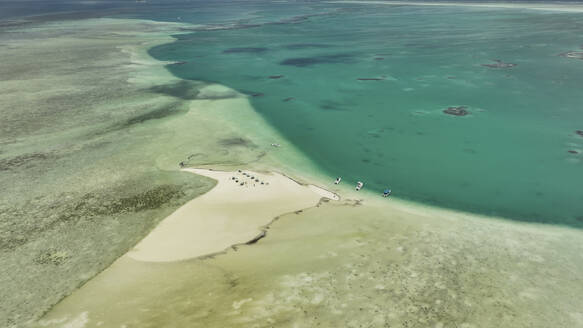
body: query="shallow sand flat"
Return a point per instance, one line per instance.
(561, 7)
(229, 214)
(368, 263)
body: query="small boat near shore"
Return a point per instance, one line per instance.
(337, 181)
(359, 185)
(387, 192)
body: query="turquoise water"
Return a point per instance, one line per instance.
(509, 157)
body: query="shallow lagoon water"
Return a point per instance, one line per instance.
(509, 157)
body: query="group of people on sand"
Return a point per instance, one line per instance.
(253, 180)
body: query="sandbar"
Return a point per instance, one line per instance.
(231, 213)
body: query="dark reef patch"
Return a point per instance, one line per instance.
(295, 46)
(499, 64)
(52, 256)
(156, 114)
(89, 205)
(244, 25)
(251, 50)
(95, 206)
(236, 142)
(456, 111)
(252, 93)
(186, 90)
(324, 59)
(331, 105)
(25, 160)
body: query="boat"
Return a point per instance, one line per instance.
(359, 185)
(338, 180)
(387, 192)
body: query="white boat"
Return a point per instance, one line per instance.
(359, 185)
(338, 180)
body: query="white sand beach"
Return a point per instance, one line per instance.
(233, 212)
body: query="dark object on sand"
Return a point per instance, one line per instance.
(573, 151)
(275, 76)
(181, 164)
(500, 64)
(456, 111)
(579, 132)
(289, 99)
(256, 239)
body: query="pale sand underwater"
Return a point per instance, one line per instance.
(359, 261)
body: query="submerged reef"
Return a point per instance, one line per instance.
(296, 46)
(456, 111)
(499, 64)
(370, 78)
(324, 59)
(253, 50)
